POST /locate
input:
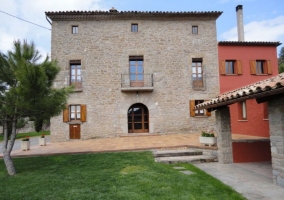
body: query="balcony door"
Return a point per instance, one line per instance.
(197, 73)
(136, 71)
(138, 119)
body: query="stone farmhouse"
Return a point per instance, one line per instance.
(134, 72)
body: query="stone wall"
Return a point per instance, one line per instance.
(167, 47)
(276, 125)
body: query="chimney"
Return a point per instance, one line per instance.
(240, 23)
(112, 10)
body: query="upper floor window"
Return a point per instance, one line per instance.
(194, 29)
(229, 67)
(75, 29)
(197, 72)
(194, 113)
(134, 27)
(75, 112)
(75, 74)
(260, 67)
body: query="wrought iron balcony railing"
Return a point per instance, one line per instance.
(137, 82)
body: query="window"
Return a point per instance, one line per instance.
(194, 29)
(75, 112)
(136, 71)
(260, 67)
(230, 67)
(242, 110)
(75, 74)
(194, 113)
(197, 73)
(75, 29)
(134, 27)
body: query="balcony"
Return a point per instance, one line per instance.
(137, 82)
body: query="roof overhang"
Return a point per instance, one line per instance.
(137, 15)
(249, 43)
(261, 91)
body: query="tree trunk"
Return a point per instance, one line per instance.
(9, 163)
(8, 146)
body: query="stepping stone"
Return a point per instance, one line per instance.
(179, 168)
(187, 172)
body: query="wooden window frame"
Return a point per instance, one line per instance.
(197, 77)
(78, 74)
(194, 30)
(193, 113)
(134, 27)
(74, 29)
(67, 113)
(236, 68)
(260, 67)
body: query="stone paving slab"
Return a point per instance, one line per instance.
(250, 179)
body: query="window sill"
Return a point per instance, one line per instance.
(201, 116)
(75, 122)
(262, 74)
(265, 119)
(242, 120)
(232, 74)
(199, 89)
(78, 90)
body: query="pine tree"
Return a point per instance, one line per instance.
(26, 91)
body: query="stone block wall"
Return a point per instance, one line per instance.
(276, 125)
(167, 47)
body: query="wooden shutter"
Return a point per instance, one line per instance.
(252, 67)
(239, 67)
(191, 108)
(83, 113)
(66, 114)
(208, 113)
(269, 67)
(222, 67)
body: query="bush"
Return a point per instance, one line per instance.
(205, 134)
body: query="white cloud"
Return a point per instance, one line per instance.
(266, 30)
(34, 11)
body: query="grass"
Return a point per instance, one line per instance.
(127, 176)
(30, 134)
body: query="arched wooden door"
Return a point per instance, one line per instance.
(138, 119)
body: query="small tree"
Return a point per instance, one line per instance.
(26, 91)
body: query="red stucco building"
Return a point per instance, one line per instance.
(242, 63)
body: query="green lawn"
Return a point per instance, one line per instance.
(122, 176)
(30, 134)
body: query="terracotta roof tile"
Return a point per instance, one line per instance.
(114, 14)
(266, 86)
(248, 43)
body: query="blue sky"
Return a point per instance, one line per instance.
(263, 19)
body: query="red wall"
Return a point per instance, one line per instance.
(255, 124)
(245, 54)
(251, 151)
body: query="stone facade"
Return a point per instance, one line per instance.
(167, 46)
(276, 125)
